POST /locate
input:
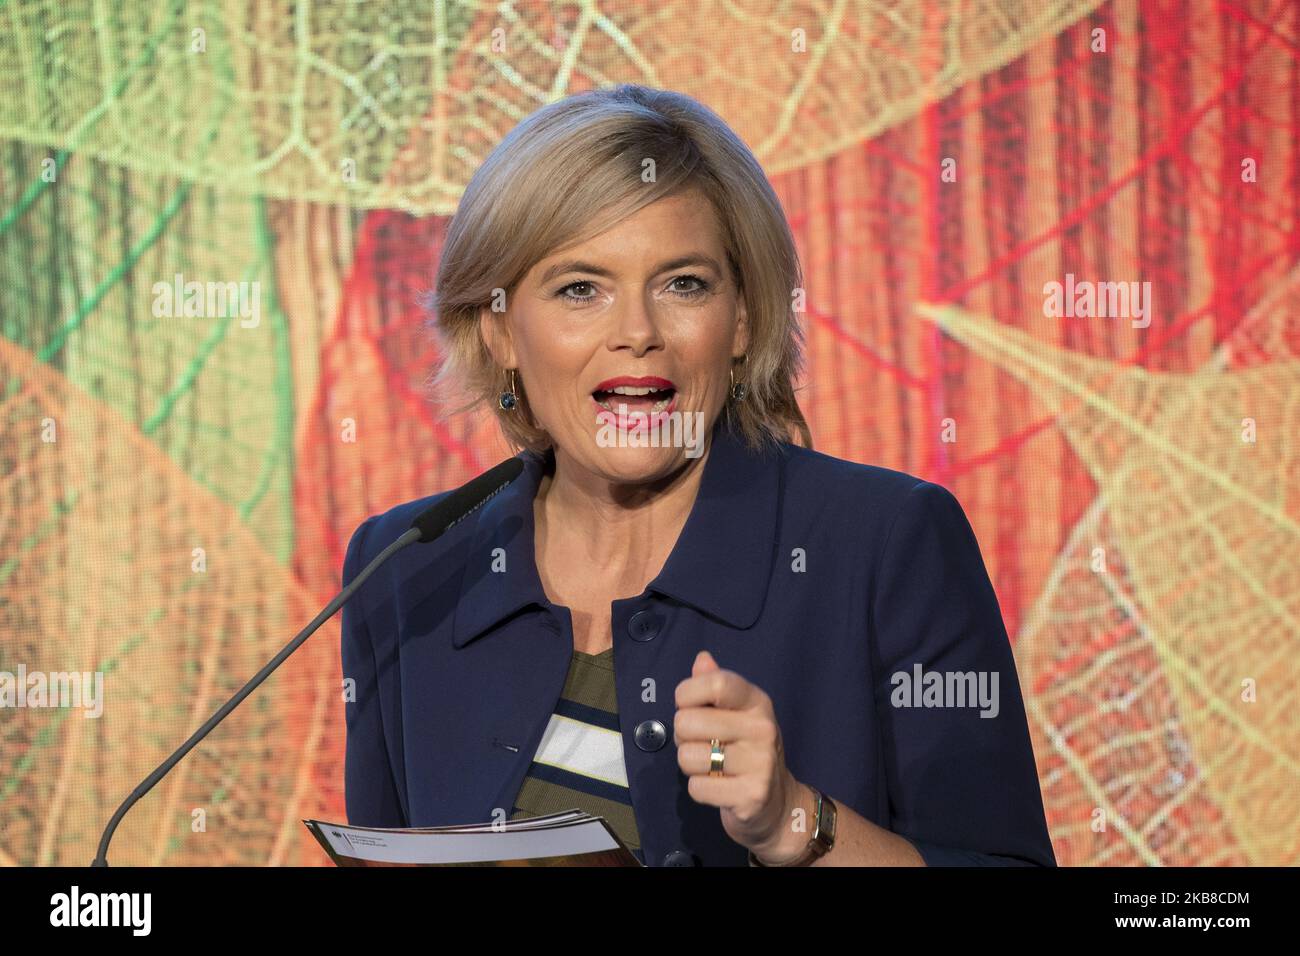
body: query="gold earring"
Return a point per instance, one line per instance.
(738, 389)
(509, 400)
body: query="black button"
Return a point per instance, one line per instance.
(650, 735)
(680, 858)
(644, 625)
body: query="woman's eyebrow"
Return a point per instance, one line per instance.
(577, 265)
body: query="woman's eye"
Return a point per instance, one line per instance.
(701, 288)
(565, 293)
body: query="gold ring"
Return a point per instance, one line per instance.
(716, 757)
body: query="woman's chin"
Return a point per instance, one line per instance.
(635, 465)
(634, 457)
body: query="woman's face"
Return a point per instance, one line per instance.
(648, 304)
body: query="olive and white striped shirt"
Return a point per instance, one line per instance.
(579, 762)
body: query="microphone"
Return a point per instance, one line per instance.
(428, 526)
(465, 500)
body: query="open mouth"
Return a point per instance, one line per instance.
(647, 400)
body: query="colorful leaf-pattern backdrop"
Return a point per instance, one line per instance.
(176, 490)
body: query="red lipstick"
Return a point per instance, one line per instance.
(634, 381)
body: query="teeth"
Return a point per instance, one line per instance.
(658, 406)
(633, 391)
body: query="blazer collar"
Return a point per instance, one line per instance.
(720, 564)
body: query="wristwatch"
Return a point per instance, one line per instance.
(822, 840)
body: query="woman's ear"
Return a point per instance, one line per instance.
(496, 336)
(740, 341)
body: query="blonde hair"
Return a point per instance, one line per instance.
(573, 169)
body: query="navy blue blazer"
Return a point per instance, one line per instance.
(832, 585)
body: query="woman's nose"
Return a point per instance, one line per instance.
(635, 325)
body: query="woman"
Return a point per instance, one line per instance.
(734, 648)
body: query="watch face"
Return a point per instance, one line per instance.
(827, 823)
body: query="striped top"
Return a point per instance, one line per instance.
(579, 762)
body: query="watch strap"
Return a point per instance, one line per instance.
(821, 841)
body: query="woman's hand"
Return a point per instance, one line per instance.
(757, 795)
